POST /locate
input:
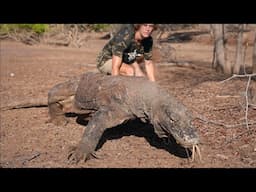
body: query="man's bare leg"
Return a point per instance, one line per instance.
(137, 69)
(127, 70)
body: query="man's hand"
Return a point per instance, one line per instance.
(150, 69)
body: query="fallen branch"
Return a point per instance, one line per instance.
(37, 154)
(226, 125)
(234, 138)
(247, 102)
(89, 64)
(178, 64)
(246, 93)
(235, 75)
(228, 96)
(252, 105)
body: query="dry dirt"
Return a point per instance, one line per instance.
(27, 140)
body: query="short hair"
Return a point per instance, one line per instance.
(137, 26)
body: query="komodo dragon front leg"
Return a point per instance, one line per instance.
(105, 117)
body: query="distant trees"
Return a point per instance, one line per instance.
(239, 50)
(220, 62)
(253, 89)
(254, 53)
(54, 34)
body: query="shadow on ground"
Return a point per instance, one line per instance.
(138, 129)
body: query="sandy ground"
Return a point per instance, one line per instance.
(27, 140)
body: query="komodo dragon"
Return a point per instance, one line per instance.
(112, 100)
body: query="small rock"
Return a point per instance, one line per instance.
(221, 156)
(12, 74)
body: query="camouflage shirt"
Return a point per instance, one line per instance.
(124, 45)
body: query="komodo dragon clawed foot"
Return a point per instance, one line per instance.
(77, 153)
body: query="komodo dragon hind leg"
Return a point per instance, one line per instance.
(105, 117)
(60, 99)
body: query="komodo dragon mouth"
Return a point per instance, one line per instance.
(195, 149)
(193, 146)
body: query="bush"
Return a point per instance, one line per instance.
(37, 28)
(5, 28)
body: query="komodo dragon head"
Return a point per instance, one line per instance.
(175, 120)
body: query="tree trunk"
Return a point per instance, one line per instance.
(252, 99)
(239, 50)
(254, 53)
(214, 64)
(219, 48)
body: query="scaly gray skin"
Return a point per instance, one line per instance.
(112, 100)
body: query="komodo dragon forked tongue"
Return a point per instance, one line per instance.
(196, 149)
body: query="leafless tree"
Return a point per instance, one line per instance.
(254, 53)
(219, 62)
(239, 50)
(253, 87)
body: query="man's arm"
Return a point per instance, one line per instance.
(150, 69)
(116, 64)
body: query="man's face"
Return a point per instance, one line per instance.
(146, 30)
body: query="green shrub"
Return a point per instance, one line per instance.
(5, 28)
(37, 28)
